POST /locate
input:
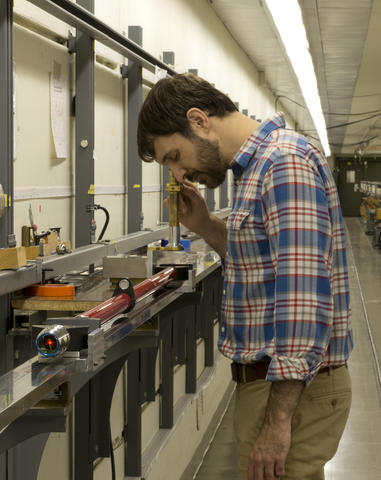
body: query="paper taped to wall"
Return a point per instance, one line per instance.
(58, 110)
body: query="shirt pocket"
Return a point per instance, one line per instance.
(237, 219)
(241, 242)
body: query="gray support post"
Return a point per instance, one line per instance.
(252, 117)
(245, 111)
(237, 105)
(191, 351)
(224, 193)
(133, 434)
(193, 70)
(6, 118)
(6, 171)
(134, 168)
(166, 384)
(84, 134)
(209, 198)
(169, 59)
(83, 460)
(165, 177)
(25, 459)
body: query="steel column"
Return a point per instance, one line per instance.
(134, 167)
(209, 198)
(6, 169)
(6, 117)
(224, 193)
(6, 156)
(191, 350)
(24, 460)
(169, 59)
(165, 180)
(166, 381)
(133, 433)
(84, 133)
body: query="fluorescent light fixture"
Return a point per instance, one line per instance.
(288, 20)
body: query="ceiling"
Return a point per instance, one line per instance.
(344, 39)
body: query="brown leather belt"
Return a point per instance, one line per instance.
(258, 371)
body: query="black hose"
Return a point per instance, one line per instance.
(99, 207)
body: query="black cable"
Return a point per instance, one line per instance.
(326, 113)
(346, 124)
(99, 207)
(344, 144)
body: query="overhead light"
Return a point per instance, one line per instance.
(289, 23)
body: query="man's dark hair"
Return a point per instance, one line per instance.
(165, 108)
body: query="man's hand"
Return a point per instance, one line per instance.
(194, 215)
(267, 459)
(193, 211)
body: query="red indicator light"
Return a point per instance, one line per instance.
(48, 344)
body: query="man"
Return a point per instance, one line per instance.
(285, 310)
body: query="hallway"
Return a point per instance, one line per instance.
(359, 453)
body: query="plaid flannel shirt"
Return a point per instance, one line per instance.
(286, 292)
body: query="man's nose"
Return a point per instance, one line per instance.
(178, 172)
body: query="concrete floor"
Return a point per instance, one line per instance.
(359, 454)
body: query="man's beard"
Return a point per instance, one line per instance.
(212, 168)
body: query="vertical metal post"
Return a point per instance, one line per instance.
(84, 134)
(169, 59)
(25, 458)
(224, 193)
(133, 445)
(83, 458)
(209, 198)
(191, 351)
(165, 180)
(166, 385)
(6, 118)
(6, 171)
(245, 111)
(134, 170)
(193, 70)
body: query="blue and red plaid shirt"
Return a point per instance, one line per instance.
(286, 292)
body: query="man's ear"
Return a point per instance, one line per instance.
(198, 120)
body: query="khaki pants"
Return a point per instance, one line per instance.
(317, 425)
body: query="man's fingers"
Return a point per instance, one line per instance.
(280, 469)
(270, 471)
(256, 472)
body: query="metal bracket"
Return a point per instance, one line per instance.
(124, 71)
(71, 43)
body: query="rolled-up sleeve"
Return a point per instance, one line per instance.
(297, 221)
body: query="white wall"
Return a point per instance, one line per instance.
(189, 28)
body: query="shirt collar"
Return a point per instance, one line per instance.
(249, 147)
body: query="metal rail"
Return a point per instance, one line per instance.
(122, 302)
(54, 265)
(80, 18)
(23, 387)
